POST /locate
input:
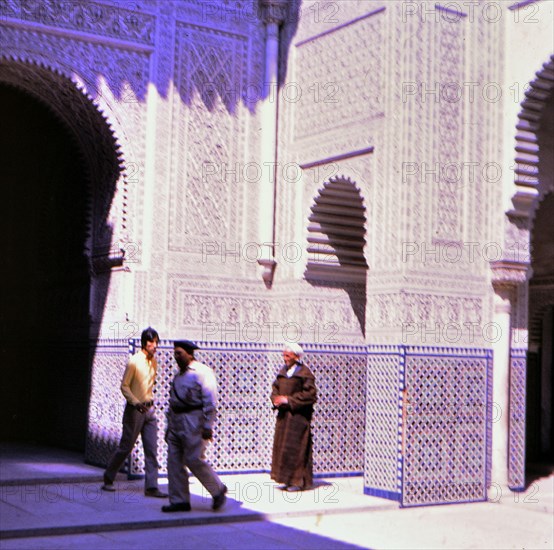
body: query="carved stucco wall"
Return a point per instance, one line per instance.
(423, 156)
(207, 133)
(181, 86)
(203, 279)
(172, 79)
(446, 138)
(330, 115)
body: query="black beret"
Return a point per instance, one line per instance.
(187, 345)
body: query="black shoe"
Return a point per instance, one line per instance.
(154, 492)
(181, 507)
(219, 500)
(108, 485)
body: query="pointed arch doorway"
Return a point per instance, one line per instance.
(530, 427)
(51, 182)
(540, 371)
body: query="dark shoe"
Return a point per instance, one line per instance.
(108, 485)
(155, 492)
(219, 500)
(181, 507)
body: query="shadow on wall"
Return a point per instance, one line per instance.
(63, 169)
(336, 241)
(208, 65)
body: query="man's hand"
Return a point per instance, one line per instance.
(207, 433)
(280, 400)
(141, 408)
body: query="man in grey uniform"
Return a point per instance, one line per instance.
(190, 419)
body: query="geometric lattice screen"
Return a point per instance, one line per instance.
(516, 441)
(415, 420)
(243, 434)
(245, 421)
(446, 440)
(382, 474)
(106, 403)
(428, 424)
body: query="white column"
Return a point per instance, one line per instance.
(501, 388)
(148, 197)
(268, 119)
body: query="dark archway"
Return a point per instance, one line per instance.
(57, 191)
(540, 376)
(537, 119)
(530, 230)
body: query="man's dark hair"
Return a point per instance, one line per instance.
(148, 335)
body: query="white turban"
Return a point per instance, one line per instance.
(295, 348)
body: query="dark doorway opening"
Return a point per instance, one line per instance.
(540, 365)
(45, 277)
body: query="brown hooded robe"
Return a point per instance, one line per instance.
(292, 445)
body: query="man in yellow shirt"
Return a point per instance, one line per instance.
(139, 415)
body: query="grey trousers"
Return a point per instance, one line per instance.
(186, 449)
(135, 423)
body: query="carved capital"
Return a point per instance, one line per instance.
(507, 275)
(268, 270)
(523, 202)
(274, 11)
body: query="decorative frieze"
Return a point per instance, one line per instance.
(233, 311)
(119, 20)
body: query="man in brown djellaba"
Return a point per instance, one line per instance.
(294, 394)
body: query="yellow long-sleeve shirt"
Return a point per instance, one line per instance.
(138, 379)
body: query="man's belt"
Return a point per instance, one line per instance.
(182, 408)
